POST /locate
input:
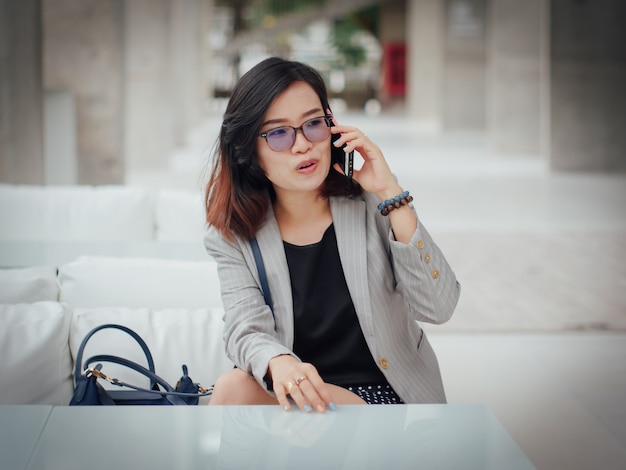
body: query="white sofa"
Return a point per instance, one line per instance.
(174, 305)
(46, 310)
(99, 213)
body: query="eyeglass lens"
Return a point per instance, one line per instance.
(282, 138)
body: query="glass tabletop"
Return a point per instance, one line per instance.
(20, 427)
(264, 437)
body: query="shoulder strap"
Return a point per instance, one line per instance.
(260, 266)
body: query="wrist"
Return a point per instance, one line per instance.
(396, 202)
(279, 360)
(390, 192)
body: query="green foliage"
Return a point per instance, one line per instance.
(280, 7)
(352, 54)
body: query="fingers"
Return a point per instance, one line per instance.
(308, 391)
(303, 402)
(351, 137)
(281, 393)
(318, 393)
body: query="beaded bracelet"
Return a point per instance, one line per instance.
(400, 200)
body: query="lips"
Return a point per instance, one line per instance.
(309, 164)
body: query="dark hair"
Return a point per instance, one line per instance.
(238, 193)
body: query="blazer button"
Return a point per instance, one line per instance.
(427, 258)
(435, 274)
(420, 244)
(383, 362)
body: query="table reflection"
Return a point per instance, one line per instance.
(352, 437)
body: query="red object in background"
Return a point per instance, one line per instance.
(394, 68)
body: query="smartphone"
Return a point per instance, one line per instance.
(345, 159)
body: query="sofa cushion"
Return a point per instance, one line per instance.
(36, 366)
(174, 337)
(179, 215)
(26, 285)
(140, 282)
(75, 213)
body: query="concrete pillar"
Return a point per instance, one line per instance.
(424, 63)
(187, 65)
(83, 56)
(166, 72)
(21, 108)
(465, 65)
(517, 77)
(60, 139)
(206, 90)
(588, 74)
(149, 137)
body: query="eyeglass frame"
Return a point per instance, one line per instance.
(329, 123)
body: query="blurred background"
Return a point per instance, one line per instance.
(506, 120)
(93, 92)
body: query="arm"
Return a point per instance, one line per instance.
(423, 276)
(376, 177)
(250, 333)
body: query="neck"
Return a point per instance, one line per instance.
(302, 218)
(297, 207)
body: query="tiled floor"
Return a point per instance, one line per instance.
(539, 334)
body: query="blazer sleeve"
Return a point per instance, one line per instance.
(422, 274)
(249, 328)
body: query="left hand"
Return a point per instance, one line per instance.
(374, 176)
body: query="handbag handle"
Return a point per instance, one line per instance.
(135, 336)
(154, 378)
(260, 266)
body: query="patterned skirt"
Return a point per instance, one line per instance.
(377, 394)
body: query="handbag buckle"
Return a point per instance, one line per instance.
(204, 389)
(95, 371)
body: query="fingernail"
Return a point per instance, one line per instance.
(307, 408)
(332, 406)
(286, 407)
(320, 408)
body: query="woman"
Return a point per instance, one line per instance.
(349, 266)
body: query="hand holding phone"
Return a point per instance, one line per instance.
(347, 163)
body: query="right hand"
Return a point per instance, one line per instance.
(302, 382)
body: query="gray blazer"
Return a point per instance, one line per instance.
(393, 286)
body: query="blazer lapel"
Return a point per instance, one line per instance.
(349, 220)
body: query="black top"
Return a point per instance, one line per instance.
(326, 327)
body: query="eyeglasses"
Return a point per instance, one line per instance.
(283, 138)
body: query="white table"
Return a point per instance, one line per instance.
(354, 437)
(20, 427)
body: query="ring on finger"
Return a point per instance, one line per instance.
(299, 380)
(289, 386)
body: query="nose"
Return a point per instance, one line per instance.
(301, 144)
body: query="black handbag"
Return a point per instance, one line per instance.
(89, 392)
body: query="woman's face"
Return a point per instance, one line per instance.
(302, 167)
